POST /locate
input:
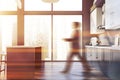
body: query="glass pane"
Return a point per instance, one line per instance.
(68, 5)
(8, 5)
(7, 24)
(62, 29)
(38, 33)
(37, 5)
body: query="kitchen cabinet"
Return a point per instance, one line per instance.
(89, 55)
(97, 57)
(93, 55)
(114, 65)
(106, 59)
(97, 17)
(112, 13)
(95, 20)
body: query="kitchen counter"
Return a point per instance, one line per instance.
(105, 58)
(22, 61)
(22, 46)
(105, 46)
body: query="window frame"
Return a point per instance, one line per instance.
(20, 19)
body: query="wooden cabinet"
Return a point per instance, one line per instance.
(22, 62)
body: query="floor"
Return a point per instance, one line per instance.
(78, 72)
(51, 71)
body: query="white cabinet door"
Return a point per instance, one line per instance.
(112, 13)
(95, 20)
(89, 51)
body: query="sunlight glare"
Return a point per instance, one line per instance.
(7, 24)
(8, 5)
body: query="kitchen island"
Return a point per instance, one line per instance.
(22, 61)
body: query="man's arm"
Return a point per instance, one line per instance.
(75, 37)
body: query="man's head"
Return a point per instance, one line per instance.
(76, 25)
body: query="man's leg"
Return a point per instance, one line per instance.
(68, 63)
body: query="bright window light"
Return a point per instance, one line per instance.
(68, 5)
(8, 5)
(6, 25)
(37, 5)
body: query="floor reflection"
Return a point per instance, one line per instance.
(79, 71)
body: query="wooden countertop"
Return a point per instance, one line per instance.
(21, 46)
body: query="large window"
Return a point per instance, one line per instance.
(62, 29)
(7, 30)
(44, 24)
(37, 5)
(8, 5)
(38, 33)
(68, 5)
(48, 30)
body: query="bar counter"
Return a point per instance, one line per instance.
(22, 61)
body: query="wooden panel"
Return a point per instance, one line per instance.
(22, 61)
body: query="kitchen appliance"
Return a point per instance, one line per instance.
(93, 41)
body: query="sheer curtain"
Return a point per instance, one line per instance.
(8, 5)
(69, 5)
(38, 33)
(62, 28)
(7, 23)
